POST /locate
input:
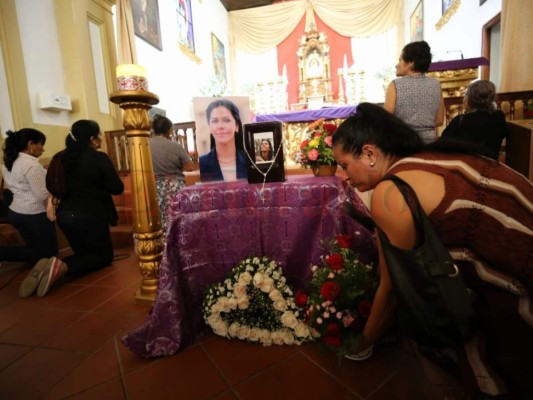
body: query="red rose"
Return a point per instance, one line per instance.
(304, 144)
(333, 329)
(317, 134)
(364, 308)
(332, 340)
(300, 299)
(330, 128)
(330, 290)
(344, 241)
(335, 261)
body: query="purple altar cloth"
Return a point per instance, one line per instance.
(219, 224)
(307, 115)
(458, 64)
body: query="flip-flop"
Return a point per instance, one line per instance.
(32, 280)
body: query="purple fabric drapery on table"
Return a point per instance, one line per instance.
(219, 224)
(307, 115)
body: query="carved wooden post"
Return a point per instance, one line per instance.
(147, 231)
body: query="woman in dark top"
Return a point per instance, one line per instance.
(482, 125)
(86, 211)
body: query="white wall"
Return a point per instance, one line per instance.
(6, 115)
(463, 31)
(42, 57)
(172, 75)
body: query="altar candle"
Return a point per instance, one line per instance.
(131, 77)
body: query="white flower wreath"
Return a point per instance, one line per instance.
(254, 303)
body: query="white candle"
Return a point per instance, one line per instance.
(131, 77)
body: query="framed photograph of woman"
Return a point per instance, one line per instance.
(264, 150)
(145, 15)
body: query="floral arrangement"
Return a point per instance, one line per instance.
(340, 297)
(255, 303)
(317, 148)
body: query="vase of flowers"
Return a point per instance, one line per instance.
(255, 303)
(316, 151)
(338, 301)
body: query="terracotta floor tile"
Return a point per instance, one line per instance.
(89, 333)
(88, 298)
(238, 359)
(96, 370)
(33, 375)
(130, 361)
(188, 375)
(39, 325)
(295, 378)
(363, 377)
(10, 353)
(12, 314)
(122, 303)
(109, 391)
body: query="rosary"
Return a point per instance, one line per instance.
(254, 165)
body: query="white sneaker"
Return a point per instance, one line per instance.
(361, 356)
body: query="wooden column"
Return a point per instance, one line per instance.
(147, 230)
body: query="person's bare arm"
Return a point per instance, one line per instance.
(390, 98)
(391, 214)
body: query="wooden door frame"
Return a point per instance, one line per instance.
(485, 43)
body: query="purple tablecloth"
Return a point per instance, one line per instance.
(458, 64)
(217, 225)
(307, 115)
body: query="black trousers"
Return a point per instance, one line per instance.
(39, 235)
(90, 240)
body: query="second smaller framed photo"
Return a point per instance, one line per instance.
(264, 150)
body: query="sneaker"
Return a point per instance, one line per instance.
(32, 280)
(361, 356)
(55, 269)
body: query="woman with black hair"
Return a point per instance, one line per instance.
(265, 153)
(227, 160)
(86, 211)
(25, 177)
(415, 97)
(483, 211)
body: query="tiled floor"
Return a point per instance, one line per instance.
(67, 345)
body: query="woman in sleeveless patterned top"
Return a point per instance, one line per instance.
(415, 97)
(483, 212)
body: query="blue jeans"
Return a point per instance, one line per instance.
(39, 235)
(89, 239)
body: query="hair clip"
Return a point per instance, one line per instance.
(72, 136)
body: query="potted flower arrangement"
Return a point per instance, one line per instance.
(316, 151)
(338, 302)
(255, 303)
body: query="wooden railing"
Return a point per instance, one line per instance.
(505, 101)
(117, 147)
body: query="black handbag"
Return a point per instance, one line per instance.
(434, 306)
(6, 197)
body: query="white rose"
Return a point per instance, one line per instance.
(221, 328)
(301, 330)
(239, 290)
(288, 337)
(275, 295)
(233, 329)
(255, 334)
(267, 285)
(265, 337)
(243, 303)
(258, 279)
(277, 337)
(213, 319)
(232, 303)
(216, 308)
(245, 278)
(280, 305)
(223, 302)
(288, 319)
(243, 332)
(256, 260)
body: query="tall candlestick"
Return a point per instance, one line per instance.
(131, 77)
